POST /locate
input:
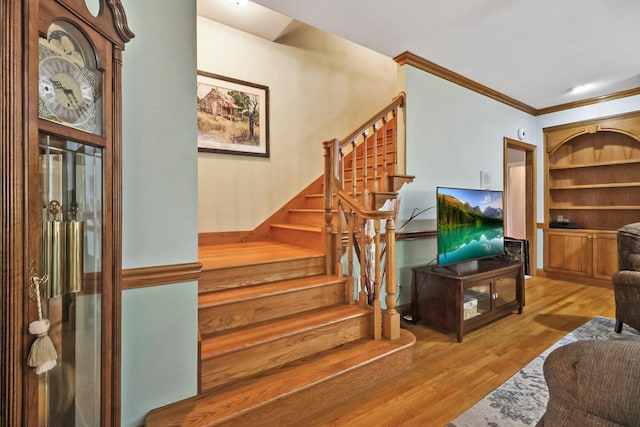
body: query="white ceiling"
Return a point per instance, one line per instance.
(534, 51)
(250, 18)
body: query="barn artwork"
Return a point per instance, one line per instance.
(232, 116)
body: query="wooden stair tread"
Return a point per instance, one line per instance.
(310, 210)
(249, 253)
(257, 291)
(304, 227)
(219, 344)
(219, 405)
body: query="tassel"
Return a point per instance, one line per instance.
(42, 355)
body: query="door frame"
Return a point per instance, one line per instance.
(530, 193)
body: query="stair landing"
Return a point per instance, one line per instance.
(236, 265)
(249, 253)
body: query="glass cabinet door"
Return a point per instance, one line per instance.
(477, 299)
(505, 290)
(71, 196)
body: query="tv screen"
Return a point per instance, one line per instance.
(470, 224)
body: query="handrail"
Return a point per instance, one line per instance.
(359, 215)
(398, 101)
(355, 206)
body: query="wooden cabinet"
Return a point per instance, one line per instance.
(592, 181)
(447, 301)
(586, 253)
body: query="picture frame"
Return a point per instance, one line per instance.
(233, 116)
(517, 250)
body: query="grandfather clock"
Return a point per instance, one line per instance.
(61, 241)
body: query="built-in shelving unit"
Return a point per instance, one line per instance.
(591, 181)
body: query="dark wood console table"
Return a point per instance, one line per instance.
(445, 300)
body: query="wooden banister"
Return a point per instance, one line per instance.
(397, 102)
(365, 160)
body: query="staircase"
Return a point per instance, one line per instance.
(281, 339)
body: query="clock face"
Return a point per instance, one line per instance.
(66, 92)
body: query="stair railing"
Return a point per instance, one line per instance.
(358, 192)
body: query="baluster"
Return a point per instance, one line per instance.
(338, 240)
(391, 318)
(329, 151)
(350, 218)
(365, 165)
(354, 159)
(395, 140)
(362, 261)
(374, 141)
(377, 283)
(341, 168)
(384, 153)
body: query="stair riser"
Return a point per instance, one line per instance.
(298, 409)
(309, 218)
(211, 280)
(250, 361)
(316, 202)
(307, 239)
(246, 312)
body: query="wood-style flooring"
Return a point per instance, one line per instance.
(450, 377)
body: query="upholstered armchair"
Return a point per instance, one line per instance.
(593, 383)
(626, 282)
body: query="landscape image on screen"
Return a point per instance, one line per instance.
(470, 224)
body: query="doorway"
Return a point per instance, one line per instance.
(520, 195)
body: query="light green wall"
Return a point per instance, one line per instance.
(159, 324)
(452, 134)
(159, 348)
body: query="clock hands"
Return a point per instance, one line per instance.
(71, 96)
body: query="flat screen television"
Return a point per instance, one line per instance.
(470, 225)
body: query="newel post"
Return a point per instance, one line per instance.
(391, 317)
(330, 265)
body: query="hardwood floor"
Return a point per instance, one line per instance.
(449, 377)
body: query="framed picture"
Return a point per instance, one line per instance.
(517, 250)
(233, 116)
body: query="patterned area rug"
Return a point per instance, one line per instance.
(522, 399)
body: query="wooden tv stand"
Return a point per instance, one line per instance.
(447, 300)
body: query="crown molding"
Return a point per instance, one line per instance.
(408, 58)
(589, 101)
